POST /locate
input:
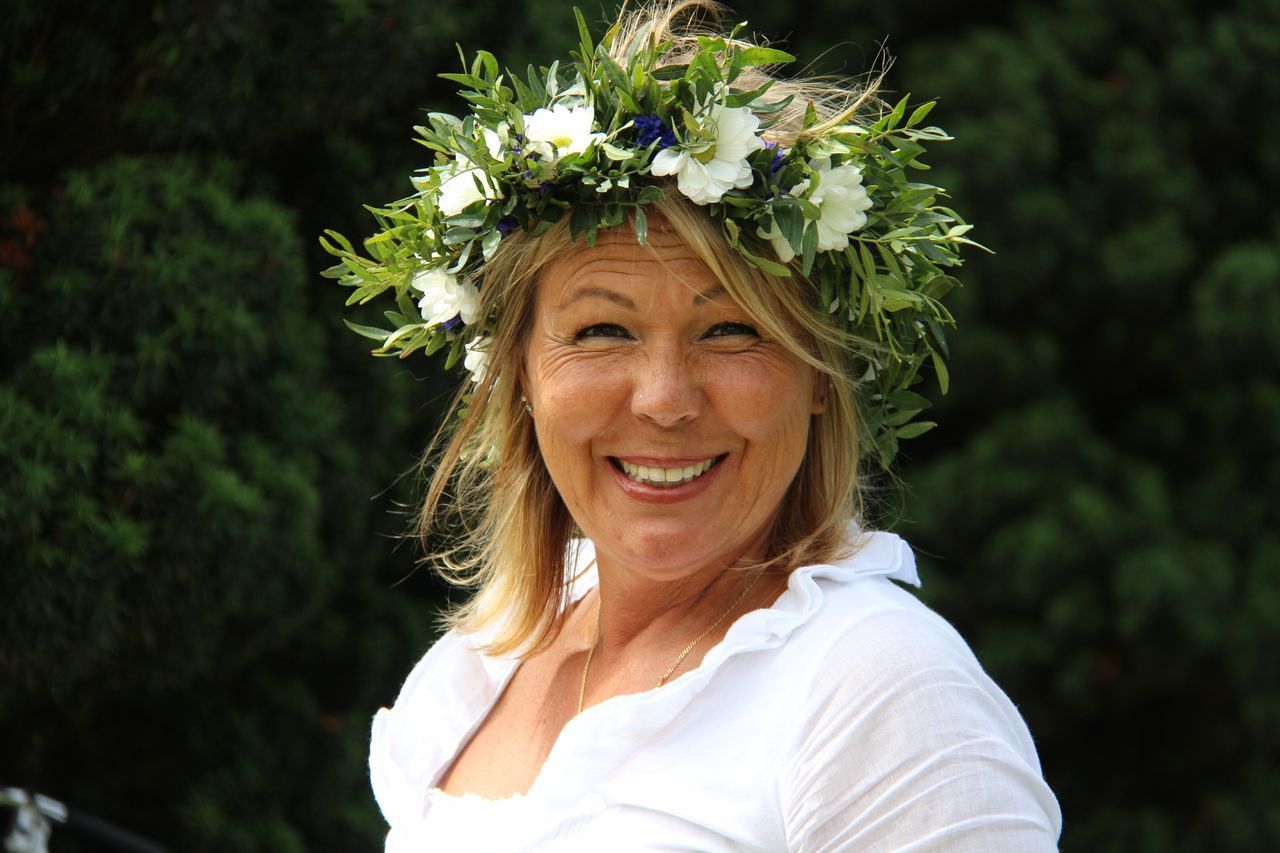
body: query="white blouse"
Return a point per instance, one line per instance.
(847, 716)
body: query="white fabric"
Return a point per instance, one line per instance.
(847, 716)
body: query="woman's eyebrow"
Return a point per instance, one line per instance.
(599, 293)
(709, 295)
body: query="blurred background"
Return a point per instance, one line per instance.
(203, 475)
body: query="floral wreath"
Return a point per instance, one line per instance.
(591, 141)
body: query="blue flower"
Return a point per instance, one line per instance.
(650, 129)
(778, 156)
(506, 225)
(454, 324)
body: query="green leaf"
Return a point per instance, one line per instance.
(939, 286)
(896, 299)
(896, 116)
(584, 35)
(898, 418)
(670, 72)
(940, 367)
(908, 400)
(914, 430)
(342, 241)
(790, 223)
(641, 225)
(887, 447)
(615, 153)
(810, 116)
(490, 243)
(466, 80)
(771, 267)
(649, 194)
(732, 232)
(809, 249)
(612, 70)
(920, 112)
(486, 61)
(937, 337)
(371, 332)
(407, 307)
(753, 56)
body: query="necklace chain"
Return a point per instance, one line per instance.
(595, 640)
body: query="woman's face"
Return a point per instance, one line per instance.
(669, 422)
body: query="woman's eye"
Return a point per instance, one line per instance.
(603, 330)
(726, 330)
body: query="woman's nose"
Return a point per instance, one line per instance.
(666, 390)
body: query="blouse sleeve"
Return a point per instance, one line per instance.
(906, 744)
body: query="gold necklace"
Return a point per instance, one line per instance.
(586, 667)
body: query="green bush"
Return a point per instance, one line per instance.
(184, 499)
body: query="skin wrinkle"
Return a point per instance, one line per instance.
(620, 364)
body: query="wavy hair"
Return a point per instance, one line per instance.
(488, 490)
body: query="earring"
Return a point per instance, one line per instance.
(527, 407)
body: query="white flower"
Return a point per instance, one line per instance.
(706, 176)
(780, 245)
(560, 130)
(444, 297)
(842, 200)
(457, 187)
(462, 187)
(495, 139)
(842, 204)
(476, 358)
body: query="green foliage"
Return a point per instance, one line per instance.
(170, 442)
(166, 279)
(1101, 499)
(199, 616)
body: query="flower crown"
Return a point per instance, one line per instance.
(591, 141)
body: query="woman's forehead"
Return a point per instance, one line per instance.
(617, 259)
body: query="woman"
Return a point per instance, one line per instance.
(681, 637)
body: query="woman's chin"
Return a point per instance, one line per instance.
(671, 549)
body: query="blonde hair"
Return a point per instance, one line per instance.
(488, 489)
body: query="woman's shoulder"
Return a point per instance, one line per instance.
(866, 631)
(896, 715)
(861, 600)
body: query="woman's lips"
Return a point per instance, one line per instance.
(682, 478)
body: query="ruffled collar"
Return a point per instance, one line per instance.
(414, 742)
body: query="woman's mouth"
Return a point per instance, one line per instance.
(665, 477)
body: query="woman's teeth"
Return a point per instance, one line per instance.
(665, 477)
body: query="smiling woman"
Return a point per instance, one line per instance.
(682, 637)
(670, 426)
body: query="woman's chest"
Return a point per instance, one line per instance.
(506, 751)
(702, 776)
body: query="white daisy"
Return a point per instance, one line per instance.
(705, 176)
(559, 131)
